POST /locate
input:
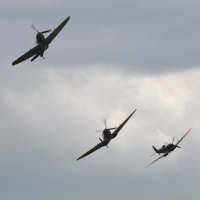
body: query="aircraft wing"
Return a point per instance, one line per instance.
(98, 146)
(165, 154)
(28, 54)
(181, 138)
(49, 39)
(114, 134)
(37, 48)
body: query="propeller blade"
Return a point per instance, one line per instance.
(33, 27)
(112, 128)
(46, 31)
(173, 139)
(98, 131)
(178, 146)
(105, 123)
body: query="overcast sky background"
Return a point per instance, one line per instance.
(111, 58)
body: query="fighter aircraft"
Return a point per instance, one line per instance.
(107, 136)
(43, 43)
(166, 149)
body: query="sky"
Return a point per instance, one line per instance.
(111, 58)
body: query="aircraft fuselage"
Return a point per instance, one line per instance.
(107, 135)
(40, 38)
(166, 148)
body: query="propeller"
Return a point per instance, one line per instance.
(173, 139)
(46, 31)
(98, 131)
(105, 123)
(33, 27)
(166, 143)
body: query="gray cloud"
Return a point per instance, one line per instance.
(49, 123)
(136, 36)
(111, 58)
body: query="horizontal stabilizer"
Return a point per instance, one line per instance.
(155, 149)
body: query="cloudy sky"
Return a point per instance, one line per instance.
(111, 58)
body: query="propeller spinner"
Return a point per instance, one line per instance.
(98, 131)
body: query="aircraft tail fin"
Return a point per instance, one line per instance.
(155, 149)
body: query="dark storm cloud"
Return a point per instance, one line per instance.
(138, 36)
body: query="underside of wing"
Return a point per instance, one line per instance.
(182, 138)
(49, 39)
(114, 134)
(28, 54)
(98, 146)
(158, 159)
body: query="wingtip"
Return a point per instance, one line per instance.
(79, 158)
(148, 165)
(134, 111)
(189, 130)
(68, 18)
